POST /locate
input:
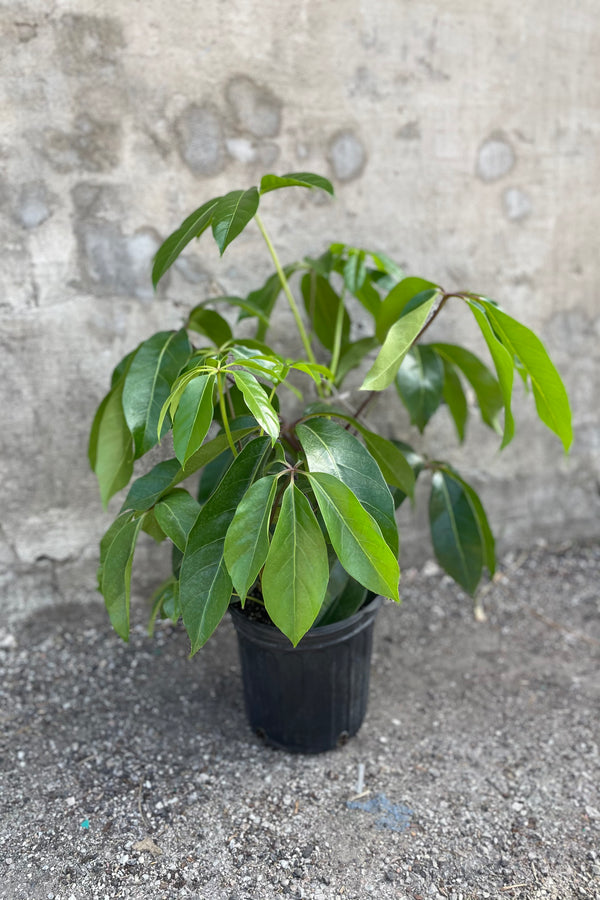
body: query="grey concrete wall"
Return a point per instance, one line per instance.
(462, 139)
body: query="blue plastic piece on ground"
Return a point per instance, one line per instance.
(394, 816)
(85, 823)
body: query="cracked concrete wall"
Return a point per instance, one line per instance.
(462, 139)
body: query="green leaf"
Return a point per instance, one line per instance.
(121, 368)
(398, 299)
(150, 526)
(296, 571)
(356, 537)
(322, 304)
(247, 540)
(398, 342)
(176, 513)
(212, 473)
(115, 583)
(551, 400)
(387, 266)
(245, 305)
(355, 270)
(149, 488)
(231, 215)
(330, 448)
(165, 602)
(258, 403)
(343, 598)
(295, 179)
(369, 296)
(420, 382)
(394, 465)
(487, 390)
(352, 356)
(487, 538)
(205, 586)
(193, 417)
(211, 324)
(504, 365)
(110, 448)
(192, 227)
(455, 399)
(265, 297)
(148, 383)
(455, 531)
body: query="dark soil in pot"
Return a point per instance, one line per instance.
(309, 698)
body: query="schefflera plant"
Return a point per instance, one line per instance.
(300, 516)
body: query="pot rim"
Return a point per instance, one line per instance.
(314, 639)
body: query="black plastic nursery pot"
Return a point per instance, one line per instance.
(309, 698)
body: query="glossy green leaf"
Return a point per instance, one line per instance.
(115, 583)
(398, 299)
(504, 364)
(211, 324)
(455, 399)
(111, 450)
(295, 179)
(176, 513)
(487, 538)
(314, 370)
(398, 342)
(121, 368)
(193, 417)
(330, 448)
(231, 215)
(258, 403)
(322, 303)
(148, 383)
(265, 298)
(247, 540)
(192, 227)
(352, 356)
(356, 536)
(343, 598)
(355, 270)
(551, 400)
(205, 586)
(455, 532)
(244, 304)
(387, 265)
(368, 296)
(165, 603)
(486, 387)
(149, 488)
(394, 465)
(151, 526)
(212, 473)
(296, 571)
(420, 383)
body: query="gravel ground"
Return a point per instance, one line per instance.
(129, 771)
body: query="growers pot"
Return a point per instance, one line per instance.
(312, 697)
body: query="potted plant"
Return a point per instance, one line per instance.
(292, 522)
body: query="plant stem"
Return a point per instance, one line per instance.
(223, 408)
(337, 339)
(286, 290)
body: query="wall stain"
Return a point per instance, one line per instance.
(199, 136)
(347, 155)
(496, 157)
(255, 108)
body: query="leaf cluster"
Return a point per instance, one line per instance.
(300, 516)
